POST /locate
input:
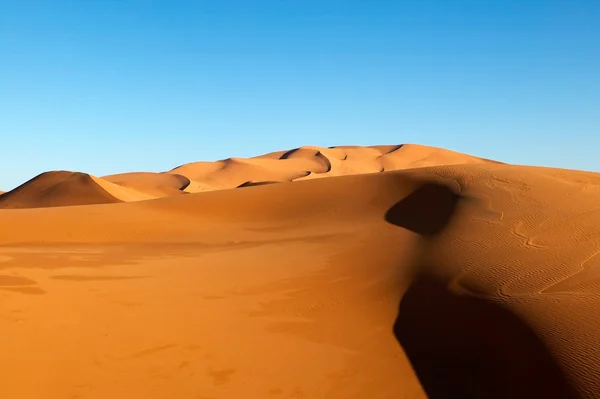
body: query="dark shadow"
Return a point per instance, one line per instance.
(426, 211)
(288, 153)
(257, 183)
(465, 347)
(462, 346)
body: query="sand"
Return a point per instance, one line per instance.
(60, 188)
(154, 184)
(445, 275)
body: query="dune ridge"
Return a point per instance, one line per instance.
(154, 184)
(61, 188)
(304, 163)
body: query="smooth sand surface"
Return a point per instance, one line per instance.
(468, 279)
(154, 184)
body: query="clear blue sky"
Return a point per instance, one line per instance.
(104, 86)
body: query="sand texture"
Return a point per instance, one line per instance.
(347, 272)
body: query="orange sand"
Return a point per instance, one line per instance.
(444, 276)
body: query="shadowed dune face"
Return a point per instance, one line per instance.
(426, 211)
(467, 347)
(257, 183)
(462, 346)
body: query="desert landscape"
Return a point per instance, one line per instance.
(393, 271)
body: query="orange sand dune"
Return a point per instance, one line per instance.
(469, 280)
(303, 163)
(60, 188)
(316, 162)
(63, 188)
(154, 184)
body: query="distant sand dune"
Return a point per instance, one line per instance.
(53, 189)
(197, 170)
(312, 162)
(126, 193)
(304, 163)
(172, 180)
(153, 184)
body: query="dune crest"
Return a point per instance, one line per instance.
(54, 189)
(124, 193)
(303, 163)
(153, 185)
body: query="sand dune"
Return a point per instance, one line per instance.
(316, 162)
(63, 188)
(153, 184)
(174, 181)
(128, 193)
(448, 277)
(305, 163)
(59, 188)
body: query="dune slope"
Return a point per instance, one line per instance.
(53, 189)
(312, 162)
(153, 184)
(304, 163)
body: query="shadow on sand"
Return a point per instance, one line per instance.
(460, 346)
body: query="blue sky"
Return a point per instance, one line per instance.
(105, 86)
